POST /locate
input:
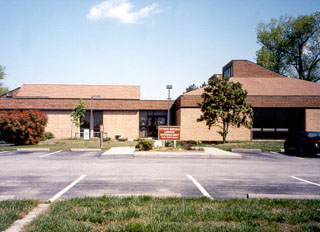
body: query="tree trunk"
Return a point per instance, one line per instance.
(225, 131)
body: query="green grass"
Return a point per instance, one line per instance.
(66, 144)
(12, 210)
(178, 214)
(265, 146)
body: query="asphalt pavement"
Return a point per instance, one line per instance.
(63, 174)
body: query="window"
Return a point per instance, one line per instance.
(228, 72)
(97, 121)
(277, 123)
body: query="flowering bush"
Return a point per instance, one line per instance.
(22, 127)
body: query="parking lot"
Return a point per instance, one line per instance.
(61, 175)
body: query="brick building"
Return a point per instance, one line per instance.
(117, 107)
(281, 105)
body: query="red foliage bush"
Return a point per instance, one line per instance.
(22, 127)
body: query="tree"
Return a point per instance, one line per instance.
(77, 115)
(3, 90)
(291, 46)
(191, 88)
(194, 87)
(22, 127)
(224, 104)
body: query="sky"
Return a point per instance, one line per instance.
(150, 43)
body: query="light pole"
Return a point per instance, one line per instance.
(168, 116)
(91, 114)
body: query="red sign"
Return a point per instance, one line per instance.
(169, 132)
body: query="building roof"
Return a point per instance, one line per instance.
(79, 91)
(273, 87)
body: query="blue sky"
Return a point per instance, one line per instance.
(149, 43)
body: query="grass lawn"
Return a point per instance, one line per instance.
(265, 146)
(178, 214)
(66, 144)
(12, 210)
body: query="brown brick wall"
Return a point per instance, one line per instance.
(313, 120)
(124, 123)
(265, 101)
(245, 68)
(59, 124)
(193, 130)
(69, 104)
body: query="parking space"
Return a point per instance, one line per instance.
(43, 175)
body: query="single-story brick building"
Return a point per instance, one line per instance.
(280, 104)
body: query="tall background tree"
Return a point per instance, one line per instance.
(291, 46)
(194, 87)
(3, 90)
(224, 104)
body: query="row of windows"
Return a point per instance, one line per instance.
(275, 123)
(228, 72)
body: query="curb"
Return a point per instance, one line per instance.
(246, 150)
(284, 196)
(198, 156)
(85, 149)
(231, 156)
(19, 224)
(117, 156)
(32, 149)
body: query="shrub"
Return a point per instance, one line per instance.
(145, 145)
(47, 135)
(122, 139)
(107, 139)
(22, 127)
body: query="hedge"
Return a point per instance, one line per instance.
(22, 127)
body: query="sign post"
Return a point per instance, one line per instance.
(86, 134)
(101, 134)
(171, 133)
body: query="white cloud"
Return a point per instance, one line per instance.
(119, 9)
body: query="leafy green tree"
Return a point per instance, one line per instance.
(77, 115)
(224, 104)
(3, 90)
(291, 46)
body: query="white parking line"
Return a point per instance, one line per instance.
(63, 191)
(298, 158)
(41, 156)
(309, 182)
(202, 190)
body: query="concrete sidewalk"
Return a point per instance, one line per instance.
(209, 152)
(218, 153)
(119, 152)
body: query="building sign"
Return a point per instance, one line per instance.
(169, 132)
(86, 134)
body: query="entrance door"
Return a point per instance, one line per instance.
(153, 123)
(149, 122)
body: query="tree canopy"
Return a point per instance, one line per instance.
(224, 104)
(291, 46)
(3, 90)
(194, 87)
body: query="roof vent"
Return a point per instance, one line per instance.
(9, 95)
